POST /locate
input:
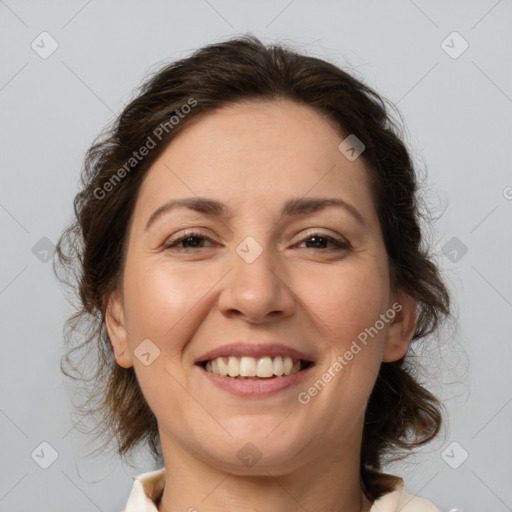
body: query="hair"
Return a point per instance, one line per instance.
(401, 414)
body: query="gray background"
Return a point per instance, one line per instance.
(458, 113)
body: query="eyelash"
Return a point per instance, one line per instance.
(339, 244)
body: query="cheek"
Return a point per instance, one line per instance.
(160, 299)
(345, 306)
(162, 304)
(346, 299)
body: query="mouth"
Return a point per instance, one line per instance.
(255, 368)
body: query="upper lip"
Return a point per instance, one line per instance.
(241, 349)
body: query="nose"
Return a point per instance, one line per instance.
(257, 291)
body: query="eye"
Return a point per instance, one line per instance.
(191, 240)
(321, 241)
(195, 240)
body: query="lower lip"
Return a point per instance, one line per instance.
(255, 388)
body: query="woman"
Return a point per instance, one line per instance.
(252, 271)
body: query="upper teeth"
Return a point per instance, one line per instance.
(253, 367)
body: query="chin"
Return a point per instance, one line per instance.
(255, 452)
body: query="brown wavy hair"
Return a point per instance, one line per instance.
(401, 413)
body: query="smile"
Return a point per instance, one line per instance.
(247, 367)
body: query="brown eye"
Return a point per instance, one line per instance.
(319, 241)
(191, 240)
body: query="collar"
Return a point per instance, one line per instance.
(147, 487)
(145, 491)
(390, 502)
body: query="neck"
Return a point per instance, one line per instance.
(326, 483)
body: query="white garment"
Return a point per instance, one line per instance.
(147, 486)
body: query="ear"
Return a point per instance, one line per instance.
(116, 329)
(401, 328)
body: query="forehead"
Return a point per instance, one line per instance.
(260, 151)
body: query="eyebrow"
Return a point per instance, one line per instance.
(292, 208)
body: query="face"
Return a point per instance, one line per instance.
(255, 248)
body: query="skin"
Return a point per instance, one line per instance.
(317, 298)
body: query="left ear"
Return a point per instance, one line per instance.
(116, 330)
(401, 328)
